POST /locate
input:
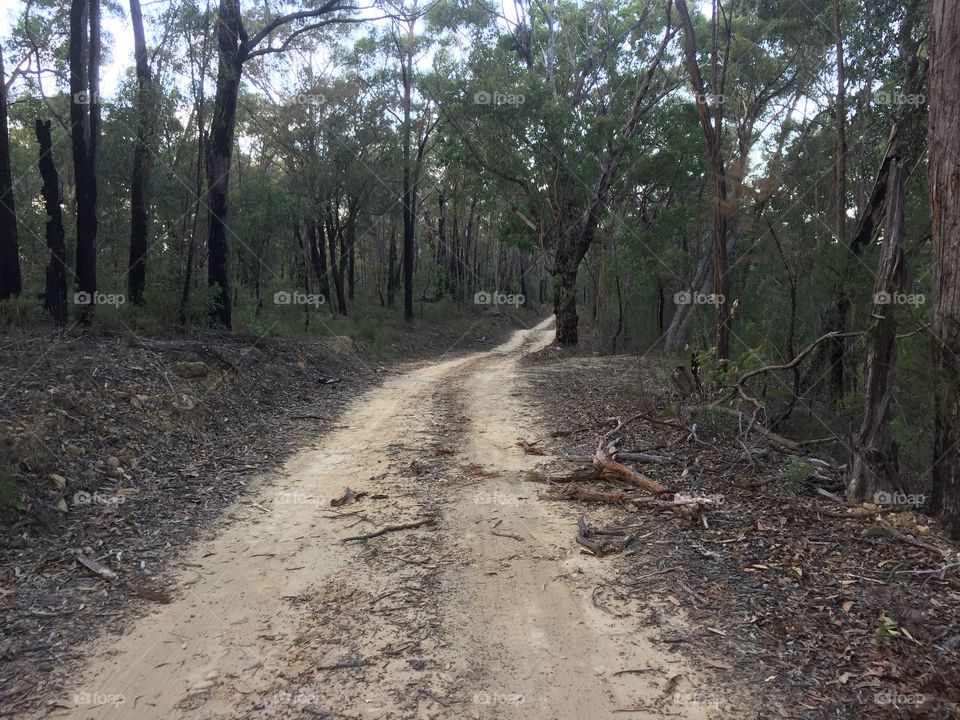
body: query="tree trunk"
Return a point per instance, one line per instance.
(10, 280)
(139, 200)
(565, 299)
(335, 235)
(223, 123)
(391, 268)
(944, 149)
(85, 135)
(712, 127)
(874, 467)
(55, 293)
(838, 346)
(408, 190)
(318, 259)
(442, 249)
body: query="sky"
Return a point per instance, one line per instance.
(117, 39)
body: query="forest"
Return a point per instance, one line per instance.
(760, 197)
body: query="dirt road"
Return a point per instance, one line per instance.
(491, 612)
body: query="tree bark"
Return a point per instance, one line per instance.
(838, 346)
(408, 199)
(391, 268)
(944, 149)
(85, 135)
(712, 127)
(335, 236)
(231, 39)
(318, 259)
(11, 283)
(139, 185)
(875, 465)
(55, 292)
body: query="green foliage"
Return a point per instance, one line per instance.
(797, 473)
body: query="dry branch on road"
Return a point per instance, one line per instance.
(389, 529)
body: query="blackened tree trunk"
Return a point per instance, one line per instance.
(348, 254)
(139, 200)
(85, 135)
(565, 299)
(318, 258)
(235, 48)
(10, 280)
(944, 144)
(335, 237)
(231, 40)
(55, 292)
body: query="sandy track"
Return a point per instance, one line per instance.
(275, 618)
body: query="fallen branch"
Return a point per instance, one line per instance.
(945, 554)
(389, 529)
(95, 567)
(605, 462)
(529, 448)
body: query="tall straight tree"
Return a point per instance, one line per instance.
(55, 289)
(10, 282)
(944, 150)
(710, 113)
(85, 134)
(236, 47)
(140, 182)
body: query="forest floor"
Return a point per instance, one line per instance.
(787, 604)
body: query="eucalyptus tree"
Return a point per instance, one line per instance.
(236, 48)
(547, 104)
(945, 231)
